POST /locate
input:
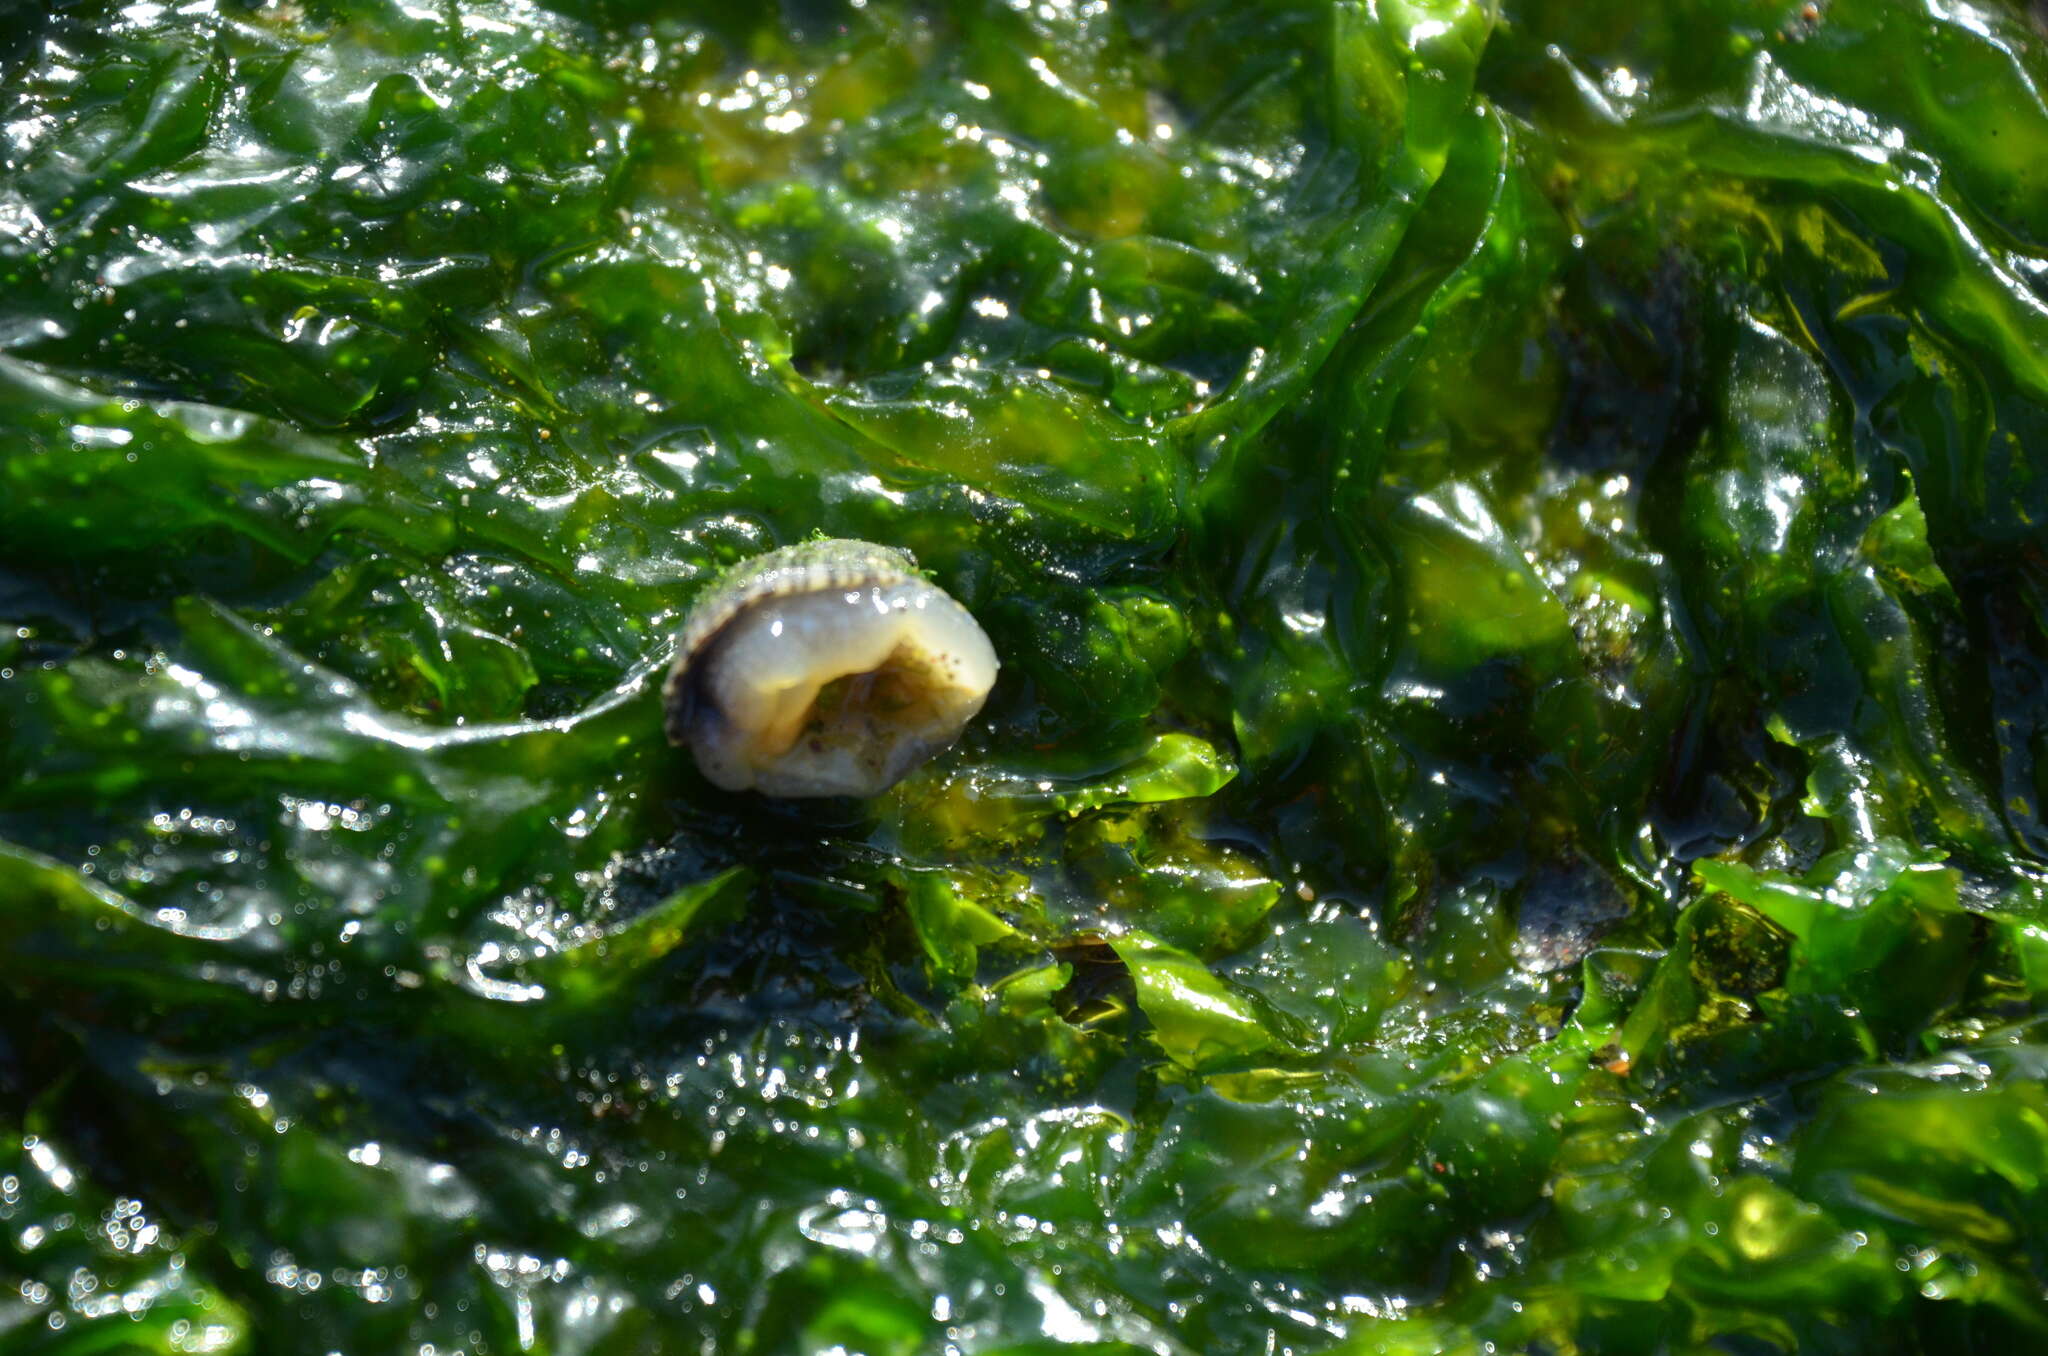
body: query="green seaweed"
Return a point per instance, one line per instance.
(1511, 816)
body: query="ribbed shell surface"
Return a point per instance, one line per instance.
(807, 567)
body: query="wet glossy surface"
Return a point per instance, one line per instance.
(1511, 813)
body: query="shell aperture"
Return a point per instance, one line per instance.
(829, 668)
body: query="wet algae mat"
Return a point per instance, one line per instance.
(1511, 817)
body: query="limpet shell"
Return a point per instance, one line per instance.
(829, 668)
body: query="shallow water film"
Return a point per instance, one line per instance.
(1511, 815)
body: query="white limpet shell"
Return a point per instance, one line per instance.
(829, 668)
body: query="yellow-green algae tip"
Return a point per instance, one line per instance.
(828, 668)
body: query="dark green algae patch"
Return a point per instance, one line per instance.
(1512, 816)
